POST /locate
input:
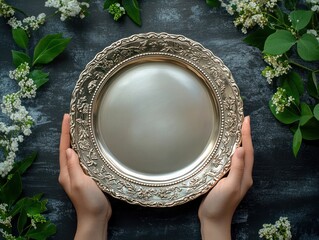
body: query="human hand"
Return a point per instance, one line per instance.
(217, 208)
(92, 207)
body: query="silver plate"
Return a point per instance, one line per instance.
(155, 118)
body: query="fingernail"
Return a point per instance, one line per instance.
(69, 153)
(240, 152)
(247, 119)
(66, 117)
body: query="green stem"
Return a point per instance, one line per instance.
(20, 11)
(302, 66)
(284, 26)
(294, 104)
(52, 15)
(293, 109)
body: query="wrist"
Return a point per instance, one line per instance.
(212, 229)
(91, 228)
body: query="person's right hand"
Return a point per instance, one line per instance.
(92, 207)
(217, 208)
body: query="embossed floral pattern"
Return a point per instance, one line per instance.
(219, 80)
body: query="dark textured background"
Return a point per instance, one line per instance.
(283, 185)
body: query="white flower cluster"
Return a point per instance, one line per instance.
(280, 231)
(27, 85)
(29, 22)
(12, 135)
(36, 218)
(5, 9)
(116, 10)
(4, 219)
(7, 235)
(68, 8)
(249, 12)
(20, 72)
(314, 5)
(11, 106)
(280, 100)
(278, 67)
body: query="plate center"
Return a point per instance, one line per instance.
(155, 118)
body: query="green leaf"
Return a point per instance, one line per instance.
(37, 196)
(43, 231)
(258, 38)
(39, 77)
(297, 141)
(20, 37)
(24, 164)
(296, 79)
(291, 90)
(293, 85)
(213, 3)
(22, 220)
(279, 42)
(300, 19)
(48, 48)
(132, 10)
(108, 3)
(19, 57)
(316, 111)
(17, 207)
(306, 113)
(312, 85)
(310, 131)
(287, 116)
(32, 205)
(308, 47)
(20, 238)
(12, 189)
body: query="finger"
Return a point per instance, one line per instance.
(64, 142)
(237, 167)
(74, 168)
(249, 150)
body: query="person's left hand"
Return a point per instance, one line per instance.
(218, 206)
(92, 207)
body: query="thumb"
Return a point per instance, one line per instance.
(237, 166)
(74, 168)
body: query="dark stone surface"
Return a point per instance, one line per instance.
(283, 185)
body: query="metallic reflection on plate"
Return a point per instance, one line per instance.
(155, 119)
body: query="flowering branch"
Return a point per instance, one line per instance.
(21, 120)
(28, 81)
(23, 215)
(279, 35)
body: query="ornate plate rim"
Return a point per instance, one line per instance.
(151, 194)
